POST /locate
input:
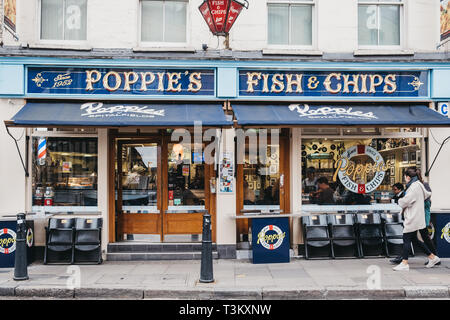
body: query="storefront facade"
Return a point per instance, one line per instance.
(99, 136)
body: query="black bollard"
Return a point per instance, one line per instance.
(20, 262)
(206, 269)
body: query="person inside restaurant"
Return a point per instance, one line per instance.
(325, 195)
(310, 182)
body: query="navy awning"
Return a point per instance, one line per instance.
(303, 114)
(99, 114)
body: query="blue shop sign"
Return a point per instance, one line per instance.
(276, 83)
(135, 81)
(270, 240)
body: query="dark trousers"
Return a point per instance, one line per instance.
(409, 237)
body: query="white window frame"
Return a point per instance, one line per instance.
(401, 5)
(163, 43)
(314, 28)
(60, 41)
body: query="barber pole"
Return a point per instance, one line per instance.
(42, 151)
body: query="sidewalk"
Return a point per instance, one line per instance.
(234, 279)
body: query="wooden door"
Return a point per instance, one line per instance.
(139, 187)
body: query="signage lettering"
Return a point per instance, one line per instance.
(309, 83)
(329, 112)
(354, 176)
(121, 81)
(96, 108)
(113, 80)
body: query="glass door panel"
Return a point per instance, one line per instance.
(262, 180)
(139, 178)
(139, 191)
(186, 178)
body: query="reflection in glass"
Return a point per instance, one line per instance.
(262, 180)
(139, 178)
(186, 176)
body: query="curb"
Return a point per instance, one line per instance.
(44, 292)
(226, 293)
(111, 293)
(427, 292)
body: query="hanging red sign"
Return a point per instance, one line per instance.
(220, 15)
(204, 10)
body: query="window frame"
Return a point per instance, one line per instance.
(314, 28)
(146, 44)
(60, 41)
(401, 4)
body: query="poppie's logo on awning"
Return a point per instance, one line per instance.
(97, 109)
(330, 112)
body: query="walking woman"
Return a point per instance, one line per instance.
(414, 211)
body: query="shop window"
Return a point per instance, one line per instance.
(163, 21)
(186, 177)
(63, 19)
(320, 159)
(379, 22)
(290, 23)
(64, 171)
(262, 178)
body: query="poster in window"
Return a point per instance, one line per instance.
(10, 14)
(67, 167)
(445, 19)
(226, 173)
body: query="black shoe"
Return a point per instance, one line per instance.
(396, 260)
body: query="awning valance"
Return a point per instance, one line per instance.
(98, 114)
(297, 114)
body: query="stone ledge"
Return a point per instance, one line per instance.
(376, 52)
(292, 52)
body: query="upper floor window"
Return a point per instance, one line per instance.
(290, 22)
(63, 19)
(163, 21)
(379, 22)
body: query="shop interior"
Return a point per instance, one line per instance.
(320, 156)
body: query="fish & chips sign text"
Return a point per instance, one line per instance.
(322, 83)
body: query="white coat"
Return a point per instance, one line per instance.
(413, 205)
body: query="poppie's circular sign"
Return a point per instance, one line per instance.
(354, 176)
